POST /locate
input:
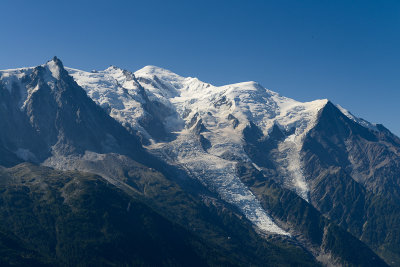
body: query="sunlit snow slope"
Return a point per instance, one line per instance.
(206, 122)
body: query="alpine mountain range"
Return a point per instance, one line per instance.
(149, 168)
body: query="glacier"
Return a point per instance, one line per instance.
(194, 102)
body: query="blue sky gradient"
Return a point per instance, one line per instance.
(346, 51)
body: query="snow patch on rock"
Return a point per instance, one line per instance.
(360, 121)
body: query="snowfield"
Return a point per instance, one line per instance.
(203, 109)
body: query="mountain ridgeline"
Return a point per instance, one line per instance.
(115, 168)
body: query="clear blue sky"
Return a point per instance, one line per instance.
(346, 51)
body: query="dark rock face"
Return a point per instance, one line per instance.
(59, 118)
(156, 114)
(327, 241)
(71, 122)
(205, 143)
(258, 146)
(371, 157)
(353, 173)
(234, 120)
(17, 135)
(354, 177)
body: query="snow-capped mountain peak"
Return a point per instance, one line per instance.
(208, 157)
(151, 70)
(195, 125)
(54, 66)
(19, 80)
(205, 122)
